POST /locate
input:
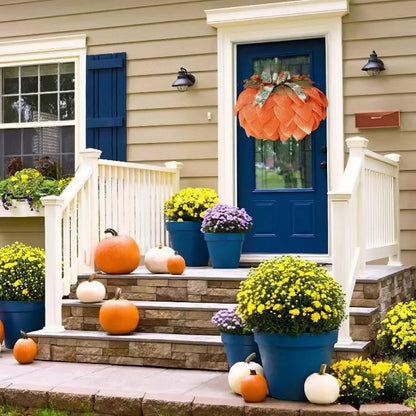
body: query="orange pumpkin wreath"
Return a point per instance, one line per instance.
(280, 106)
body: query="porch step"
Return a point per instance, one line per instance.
(197, 284)
(140, 349)
(159, 317)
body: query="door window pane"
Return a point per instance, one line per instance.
(280, 164)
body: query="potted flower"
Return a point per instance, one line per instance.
(237, 338)
(224, 229)
(295, 309)
(184, 212)
(29, 185)
(22, 290)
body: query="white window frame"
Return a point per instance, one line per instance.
(289, 20)
(46, 51)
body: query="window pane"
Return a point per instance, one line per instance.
(32, 143)
(68, 165)
(11, 80)
(12, 142)
(11, 107)
(51, 140)
(29, 79)
(68, 139)
(67, 76)
(66, 106)
(29, 108)
(49, 77)
(48, 107)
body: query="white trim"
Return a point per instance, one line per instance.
(54, 49)
(277, 22)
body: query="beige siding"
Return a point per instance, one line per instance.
(26, 230)
(388, 27)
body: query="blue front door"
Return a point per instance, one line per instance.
(283, 185)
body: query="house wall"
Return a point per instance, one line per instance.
(160, 36)
(388, 27)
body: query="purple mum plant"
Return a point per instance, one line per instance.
(224, 218)
(230, 322)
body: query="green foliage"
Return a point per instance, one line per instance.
(362, 381)
(397, 334)
(292, 296)
(29, 185)
(7, 410)
(22, 273)
(190, 204)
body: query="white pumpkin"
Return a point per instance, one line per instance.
(91, 290)
(241, 369)
(321, 388)
(156, 259)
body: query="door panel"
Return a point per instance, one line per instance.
(283, 185)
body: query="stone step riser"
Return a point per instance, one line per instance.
(156, 354)
(170, 290)
(168, 321)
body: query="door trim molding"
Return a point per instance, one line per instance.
(291, 20)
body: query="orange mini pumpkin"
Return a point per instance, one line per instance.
(118, 316)
(25, 349)
(176, 264)
(253, 387)
(117, 254)
(1, 332)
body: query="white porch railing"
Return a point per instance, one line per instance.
(127, 197)
(365, 217)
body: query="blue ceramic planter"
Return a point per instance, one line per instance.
(187, 239)
(239, 347)
(20, 316)
(225, 249)
(289, 360)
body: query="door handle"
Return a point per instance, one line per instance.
(323, 164)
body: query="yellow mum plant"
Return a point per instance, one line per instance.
(397, 334)
(290, 295)
(190, 204)
(22, 273)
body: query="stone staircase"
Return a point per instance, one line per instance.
(175, 313)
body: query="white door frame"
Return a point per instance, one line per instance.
(289, 20)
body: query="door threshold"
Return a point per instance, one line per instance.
(248, 259)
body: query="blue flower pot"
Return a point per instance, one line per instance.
(239, 347)
(225, 249)
(289, 360)
(20, 316)
(187, 239)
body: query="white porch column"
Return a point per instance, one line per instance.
(53, 263)
(177, 166)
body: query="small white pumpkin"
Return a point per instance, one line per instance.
(156, 259)
(321, 388)
(241, 369)
(91, 290)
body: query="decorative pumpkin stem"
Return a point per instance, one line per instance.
(111, 231)
(92, 277)
(250, 357)
(322, 369)
(23, 334)
(117, 294)
(160, 246)
(253, 372)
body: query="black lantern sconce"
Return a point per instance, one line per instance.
(184, 80)
(374, 65)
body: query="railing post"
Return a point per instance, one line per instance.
(357, 146)
(177, 166)
(53, 263)
(90, 217)
(394, 259)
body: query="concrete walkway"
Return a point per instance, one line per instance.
(106, 390)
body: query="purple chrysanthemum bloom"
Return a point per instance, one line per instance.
(230, 322)
(223, 218)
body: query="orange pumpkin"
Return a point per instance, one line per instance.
(25, 349)
(118, 316)
(1, 332)
(176, 264)
(117, 254)
(283, 114)
(253, 387)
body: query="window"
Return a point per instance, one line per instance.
(37, 112)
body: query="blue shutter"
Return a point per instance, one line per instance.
(106, 105)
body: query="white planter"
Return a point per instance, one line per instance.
(21, 209)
